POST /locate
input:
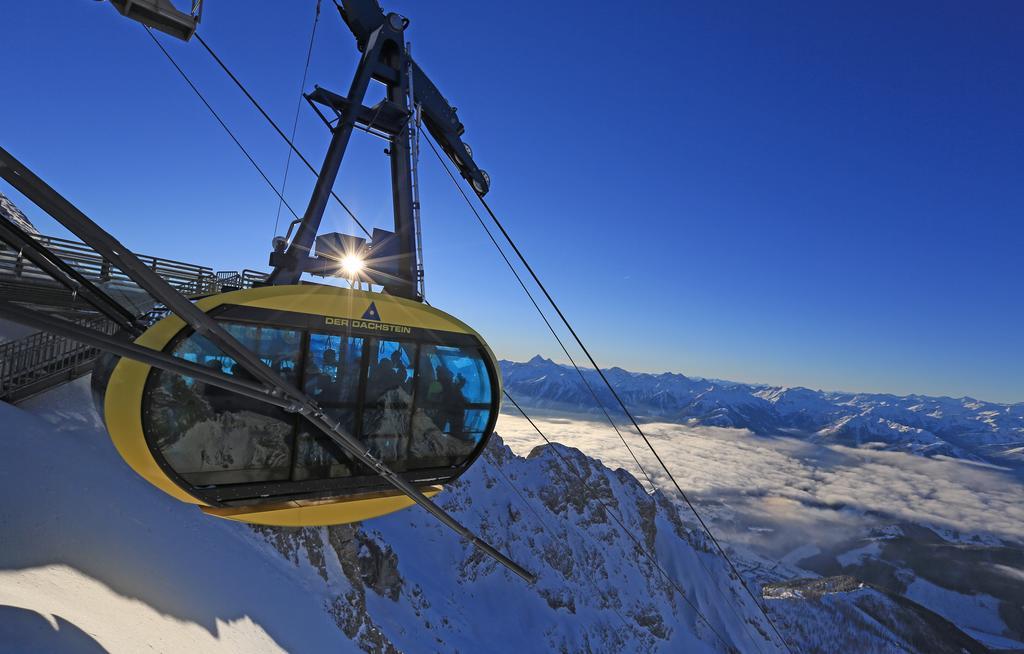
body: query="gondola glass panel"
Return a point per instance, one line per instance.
(213, 437)
(331, 377)
(388, 400)
(418, 395)
(453, 409)
(333, 364)
(318, 457)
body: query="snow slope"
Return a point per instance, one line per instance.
(88, 546)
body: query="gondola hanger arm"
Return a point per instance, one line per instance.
(439, 116)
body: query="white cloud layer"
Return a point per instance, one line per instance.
(781, 493)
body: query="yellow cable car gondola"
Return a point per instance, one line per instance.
(418, 389)
(416, 386)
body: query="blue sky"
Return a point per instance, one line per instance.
(801, 193)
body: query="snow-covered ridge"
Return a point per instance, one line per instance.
(960, 427)
(94, 559)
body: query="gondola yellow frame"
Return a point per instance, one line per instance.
(123, 399)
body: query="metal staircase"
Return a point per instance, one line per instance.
(38, 362)
(41, 361)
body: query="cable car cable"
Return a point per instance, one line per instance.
(731, 605)
(221, 121)
(618, 520)
(632, 419)
(512, 268)
(532, 273)
(298, 107)
(273, 124)
(600, 404)
(565, 350)
(583, 480)
(611, 388)
(509, 482)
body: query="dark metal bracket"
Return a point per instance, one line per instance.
(70, 278)
(385, 59)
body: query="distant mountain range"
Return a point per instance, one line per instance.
(960, 427)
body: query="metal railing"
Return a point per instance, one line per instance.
(232, 280)
(189, 278)
(40, 361)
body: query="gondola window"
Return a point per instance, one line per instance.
(213, 437)
(418, 406)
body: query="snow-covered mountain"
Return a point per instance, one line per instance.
(93, 559)
(820, 613)
(10, 211)
(961, 427)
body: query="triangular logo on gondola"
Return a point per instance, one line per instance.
(371, 313)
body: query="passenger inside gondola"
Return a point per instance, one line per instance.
(385, 428)
(331, 377)
(453, 408)
(451, 417)
(317, 382)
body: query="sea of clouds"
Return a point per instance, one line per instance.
(780, 494)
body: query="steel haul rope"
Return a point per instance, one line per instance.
(298, 106)
(704, 526)
(273, 124)
(221, 121)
